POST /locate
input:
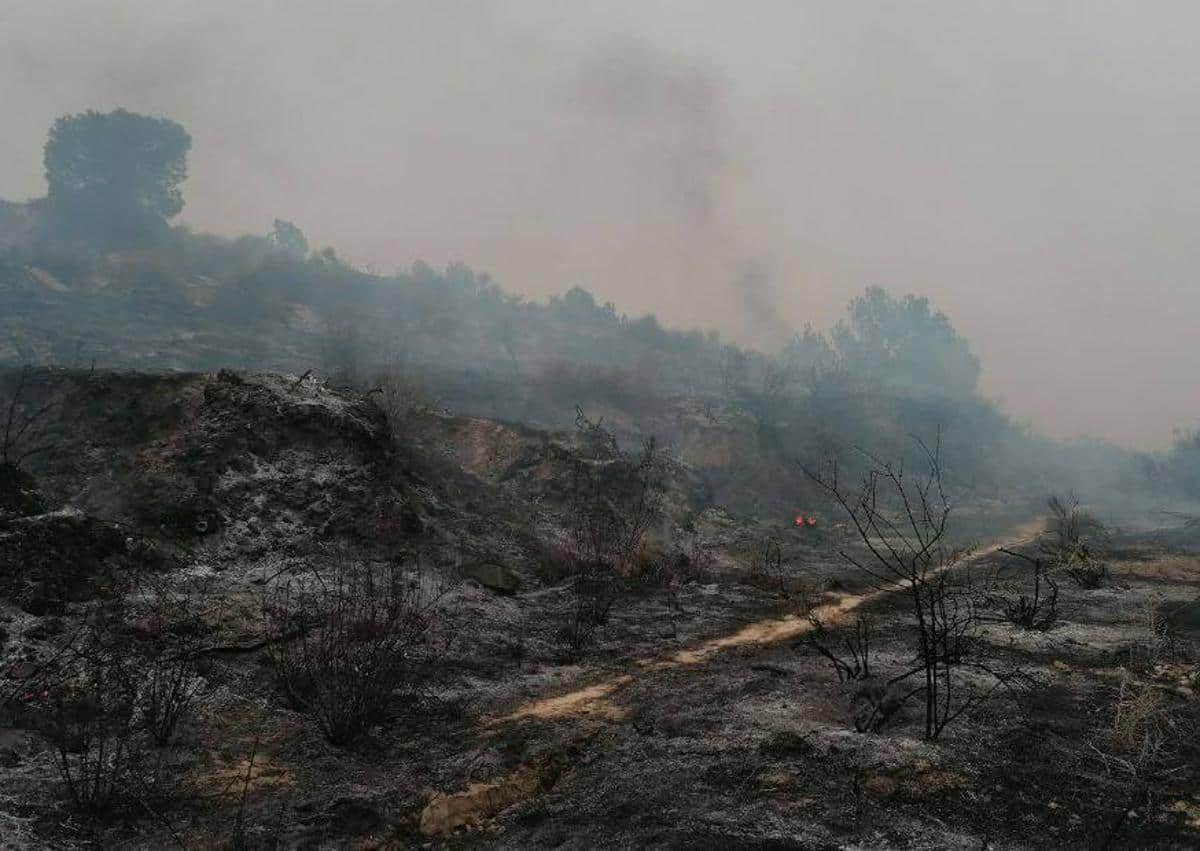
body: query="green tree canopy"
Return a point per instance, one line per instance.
(905, 344)
(289, 238)
(115, 177)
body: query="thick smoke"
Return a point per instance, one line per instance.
(763, 320)
(1029, 169)
(668, 116)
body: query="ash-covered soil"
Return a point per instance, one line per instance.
(698, 714)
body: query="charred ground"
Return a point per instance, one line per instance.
(180, 527)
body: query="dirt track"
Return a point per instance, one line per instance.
(595, 703)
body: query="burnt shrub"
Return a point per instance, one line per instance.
(876, 701)
(1037, 610)
(19, 496)
(615, 499)
(110, 709)
(171, 635)
(24, 419)
(768, 570)
(901, 514)
(400, 394)
(92, 721)
(346, 640)
(1071, 540)
(169, 686)
(1085, 570)
(666, 573)
(555, 562)
(848, 651)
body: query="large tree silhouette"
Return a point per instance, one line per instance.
(115, 177)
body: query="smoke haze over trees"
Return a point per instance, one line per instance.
(1024, 168)
(308, 543)
(894, 366)
(114, 178)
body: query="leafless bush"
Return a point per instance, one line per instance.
(344, 643)
(698, 564)
(673, 579)
(593, 592)
(766, 566)
(591, 595)
(22, 437)
(1070, 525)
(1071, 539)
(171, 634)
(1087, 571)
(669, 572)
(1141, 725)
(1038, 610)
(1148, 746)
(1160, 642)
(614, 501)
(902, 520)
(588, 611)
(246, 836)
(93, 724)
(349, 358)
(855, 664)
(614, 498)
(768, 571)
(110, 709)
(876, 701)
(344, 351)
(399, 394)
(691, 564)
(170, 686)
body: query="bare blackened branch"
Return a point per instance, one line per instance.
(902, 519)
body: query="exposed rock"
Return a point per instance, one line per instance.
(787, 744)
(49, 559)
(444, 814)
(21, 669)
(45, 628)
(494, 576)
(19, 496)
(352, 817)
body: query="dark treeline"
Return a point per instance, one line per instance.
(94, 273)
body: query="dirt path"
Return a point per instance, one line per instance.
(595, 702)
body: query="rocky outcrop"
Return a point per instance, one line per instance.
(492, 575)
(19, 495)
(251, 463)
(50, 560)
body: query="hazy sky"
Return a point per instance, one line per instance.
(1034, 167)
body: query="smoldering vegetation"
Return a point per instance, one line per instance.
(295, 554)
(94, 275)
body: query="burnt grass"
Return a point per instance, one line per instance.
(218, 487)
